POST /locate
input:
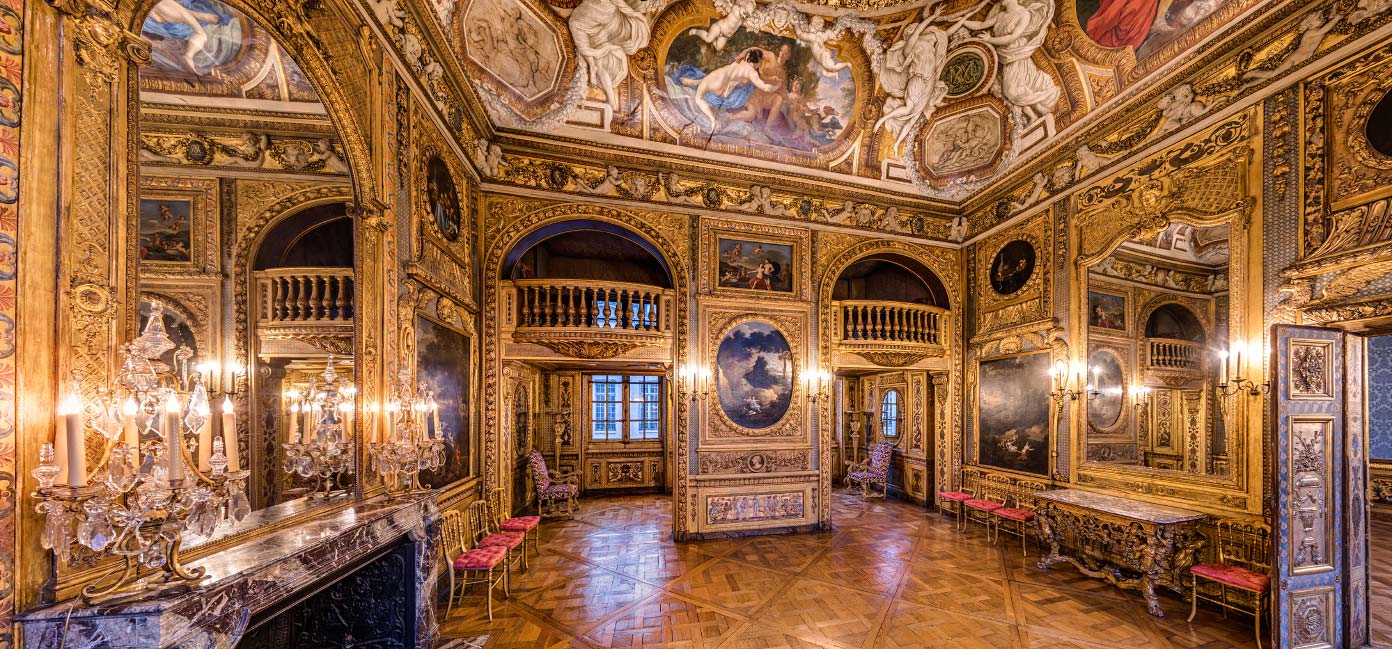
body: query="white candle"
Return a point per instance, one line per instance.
(1053, 379)
(1223, 367)
(69, 447)
(174, 438)
(294, 437)
(229, 436)
(131, 433)
(435, 419)
(1237, 371)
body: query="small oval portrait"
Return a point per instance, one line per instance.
(441, 199)
(1012, 267)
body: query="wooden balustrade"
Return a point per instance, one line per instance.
(319, 295)
(864, 321)
(1174, 355)
(595, 305)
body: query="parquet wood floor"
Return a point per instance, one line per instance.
(889, 575)
(1380, 583)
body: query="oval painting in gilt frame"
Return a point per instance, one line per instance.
(442, 200)
(1012, 267)
(754, 373)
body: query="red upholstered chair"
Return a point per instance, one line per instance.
(1240, 579)
(476, 565)
(1017, 516)
(990, 497)
(529, 526)
(873, 473)
(558, 494)
(950, 502)
(487, 534)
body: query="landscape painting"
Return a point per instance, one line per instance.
(1012, 430)
(757, 89)
(442, 366)
(1143, 25)
(755, 265)
(166, 230)
(754, 375)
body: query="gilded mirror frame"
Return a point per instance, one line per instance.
(1213, 193)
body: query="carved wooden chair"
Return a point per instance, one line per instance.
(528, 526)
(1017, 517)
(476, 565)
(558, 494)
(515, 542)
(991, 495)
(950, 502)
(871, 474)
(1240, 579)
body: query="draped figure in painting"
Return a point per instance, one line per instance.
(606, 32)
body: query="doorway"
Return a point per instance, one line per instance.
(1379, 391)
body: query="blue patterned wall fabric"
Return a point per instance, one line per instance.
(1379, 391)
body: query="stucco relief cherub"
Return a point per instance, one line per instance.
(720, 31)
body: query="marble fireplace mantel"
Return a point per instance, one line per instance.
(251, 577)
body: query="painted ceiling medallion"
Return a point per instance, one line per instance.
(517, 51)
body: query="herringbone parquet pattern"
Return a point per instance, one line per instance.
(1380, 584)
(890, 575)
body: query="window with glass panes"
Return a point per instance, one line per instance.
(625, 407)
(889, 414)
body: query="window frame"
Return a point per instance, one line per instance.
(626, 423)
(897, 419)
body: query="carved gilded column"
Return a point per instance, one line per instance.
(372, 312)
(942, 421)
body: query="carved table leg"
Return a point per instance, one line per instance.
(1152, 602)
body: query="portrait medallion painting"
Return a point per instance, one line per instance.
(1012, 429)
(441, 199)
(755, 265)
(166, 230)
(442, 366)
(755, 89)
(1109, 380)
(754, 375)
(1107, 311)
(1143, 25)
(1012, 267)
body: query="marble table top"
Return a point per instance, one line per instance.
(1119, 506)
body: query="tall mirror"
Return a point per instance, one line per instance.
(245, 246)
(1157, 323)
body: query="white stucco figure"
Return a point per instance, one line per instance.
(815, 37)
(606, 32)
(910, 75)
(1313, 29)
(1017, 28)
(1179, 107)
(720, 31)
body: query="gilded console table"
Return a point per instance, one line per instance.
(1132, 544)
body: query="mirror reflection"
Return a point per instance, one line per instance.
(1157, 320)
(245, 243)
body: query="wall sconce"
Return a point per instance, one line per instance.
(1139, 395)
(1060, 384)
(817, 381)
(1237, 384)
(695, 382)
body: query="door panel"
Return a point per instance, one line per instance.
(1356, 472)
(1308, 405)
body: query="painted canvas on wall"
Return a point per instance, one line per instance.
(1144, 25)
(166, 230)
(754, 375)
(1012, 430)
(442, 365)
(1107, 311)
(442, 200)
(207, 47)
(755, 265)
(759, 89)
(1012, 267)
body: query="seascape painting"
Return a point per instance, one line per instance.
(442, 365)
(166, 231)
(755, 265)
(758, 89)
(1107, 311)
(754, 375)
(1143, 25)
(1012, 430)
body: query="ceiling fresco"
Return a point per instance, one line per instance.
(206, 48)
(933, 97)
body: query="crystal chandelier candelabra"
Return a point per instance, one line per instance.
(324, 412)
(414, 439)
(163, 473)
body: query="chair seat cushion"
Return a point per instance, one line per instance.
(520, 524)
(1232, 576)
(507, 540)
(1022, 515)
(982, 504)
(558, 491)
(955, 496)
(867, 476)
(481, 558)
